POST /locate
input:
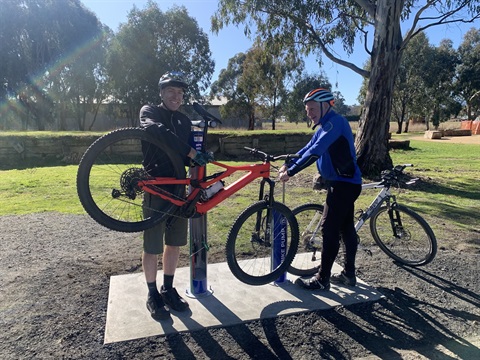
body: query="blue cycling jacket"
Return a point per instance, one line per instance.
(332, 148)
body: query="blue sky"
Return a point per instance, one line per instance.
(231, 40)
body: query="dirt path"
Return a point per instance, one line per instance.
(54, 279)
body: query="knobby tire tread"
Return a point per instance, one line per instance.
(88, 160)
(232, 236)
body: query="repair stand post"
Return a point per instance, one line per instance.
(198, 242)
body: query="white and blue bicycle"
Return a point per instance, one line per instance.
(399, 231)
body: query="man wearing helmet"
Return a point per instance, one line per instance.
(332, 148)
(174, 128)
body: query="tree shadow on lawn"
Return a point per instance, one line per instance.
(452, 209)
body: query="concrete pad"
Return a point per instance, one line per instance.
(229, 302)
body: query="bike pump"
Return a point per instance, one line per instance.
(198, 236)
(279, 248)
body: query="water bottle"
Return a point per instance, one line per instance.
(212, 190)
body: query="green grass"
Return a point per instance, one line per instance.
(39, 189)
(447, 194)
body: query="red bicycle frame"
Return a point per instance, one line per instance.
(254, 171)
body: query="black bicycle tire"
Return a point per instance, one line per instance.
(233, 264)
(83, 180)
(314, 269)
(429, 256)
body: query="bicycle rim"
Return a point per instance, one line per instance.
(408, 240)
(307, 260)
(249, 245)
(108, 175)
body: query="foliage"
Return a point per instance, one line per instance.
(305, 27)
(468, 79)
(41, 61)
(423, 89)
(151, 43)
(255, 82)
(268, 69)
(293, 108)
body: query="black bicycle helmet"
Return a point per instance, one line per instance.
(172, 78)
(319, 95)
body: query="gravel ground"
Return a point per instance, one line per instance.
(54, 281)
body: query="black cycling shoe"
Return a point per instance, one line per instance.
(313, 284)
(343, 279)
(173, 300)
(157, 307)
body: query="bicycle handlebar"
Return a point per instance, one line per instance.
(268, 158)
(211, 120)
(388, 176)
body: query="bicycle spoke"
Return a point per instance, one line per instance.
(307, 259)
(251, 242)
(109, 175)
(406, 237)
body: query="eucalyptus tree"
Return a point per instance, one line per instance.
(468, 72)
(151, 43)
(438, 77)
(40, 42)
(314, 26)
(255, 82)
(266, 72)
(292, 105)
(239, 93)
(409, 92)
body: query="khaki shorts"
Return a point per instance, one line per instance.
(154, 238)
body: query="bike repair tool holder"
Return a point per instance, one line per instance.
(198, 225)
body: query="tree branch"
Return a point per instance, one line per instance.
(332, 57)
(368, 6)
(442, 20)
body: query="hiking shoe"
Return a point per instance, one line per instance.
(343, 279)
(173, 300)
(312, 284)
(157, 308)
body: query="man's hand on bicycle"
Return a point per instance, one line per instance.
(202, 158)
(282, 173)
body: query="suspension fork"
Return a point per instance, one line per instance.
(394, 215)
(270, 199)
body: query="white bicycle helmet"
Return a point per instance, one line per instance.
(320, 95)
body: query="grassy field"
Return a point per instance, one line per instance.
(447, 194)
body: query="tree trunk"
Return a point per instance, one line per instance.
(251, 120)
(371, 140)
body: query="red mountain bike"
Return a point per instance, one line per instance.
(112, 180)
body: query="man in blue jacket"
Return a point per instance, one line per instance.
(332, 148)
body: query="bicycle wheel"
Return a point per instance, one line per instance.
(250, 246)
(403, 235)
(108, 174)
(307, 260)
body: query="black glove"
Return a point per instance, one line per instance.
(202, 158)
